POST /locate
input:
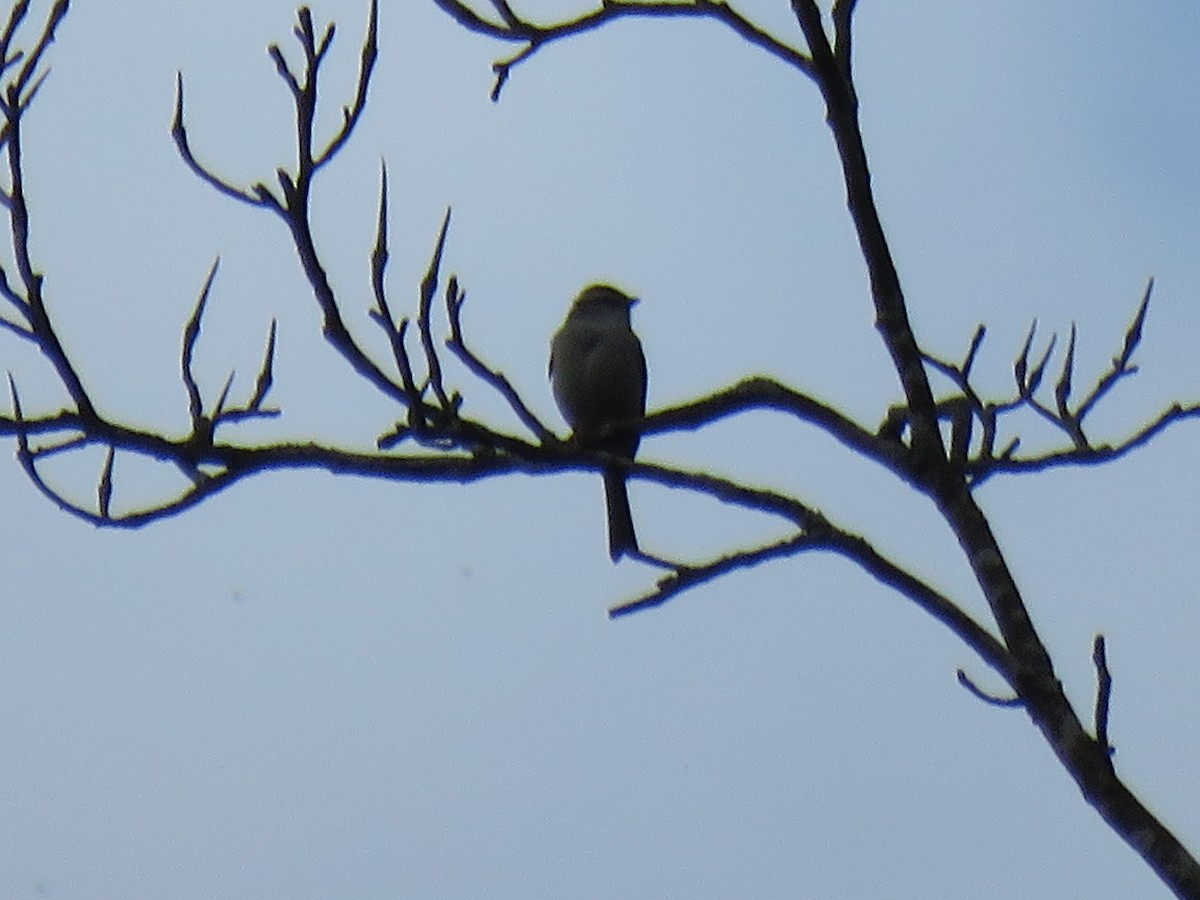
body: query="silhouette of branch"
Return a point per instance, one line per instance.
(980, 694)
(820, 534)
(684, 578)
(1066, 417)
(762, 393)
(259, 195)
(450, 447)
(1091, 455)
(534, 37)
(18, 93)
(382, 313)
(191, 333)
(843, 12)
(455, 298)
(1103, 693)
(351, 114)
(429, 286)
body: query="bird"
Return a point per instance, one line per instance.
(598, 378)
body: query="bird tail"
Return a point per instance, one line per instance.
(621, 537)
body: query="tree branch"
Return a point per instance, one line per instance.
(534, 37)
(1103, 693)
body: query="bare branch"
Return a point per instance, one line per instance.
(1039, 370)
(26, 75)
(455, 299)
(382, 314)
(910, 443)
(1120, 363)
(104, 491)
(191, 333)
(764, 393)
(980, 694)
(19, 330)
(18, 211)
(283, 69)
(513, 28)
(260, 196)
(1092, 455)
(6, 290)
(819, 534)
(1021, 365)
(266, 378)
(253, 408)
(688, 577)
(351, 114)
(18, 416)
(1062, 390)
(973, 350)
(1103, 693)
(1082, 451)
(472, 21)
(219, 409)
(15, 17)
(506, 13)
(425, 326)
(326, 39)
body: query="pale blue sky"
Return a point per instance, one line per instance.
(312, 687)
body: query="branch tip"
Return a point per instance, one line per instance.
(1103, 693)
(980, 694)
(105, 487)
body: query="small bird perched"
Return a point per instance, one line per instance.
(598, 377)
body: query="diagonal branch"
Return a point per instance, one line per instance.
(382, 313)
(1091, 455)
(455, 298)
(191, 334)
(820, 534)
(1121, 362)
(16, 97)
(260, 196)
(534, 37)
(891, 311)
(351, 114)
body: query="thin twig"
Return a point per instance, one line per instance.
(1120, 363)
(980, 694)
(455, 298)
(424, 324)
(351, 114)
(513, 28)
(191, 334)
(382, 314)
(686, 577)
(1103, 693)
(105, 489)
(259, 197)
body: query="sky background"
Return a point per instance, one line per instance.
(319, 687)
